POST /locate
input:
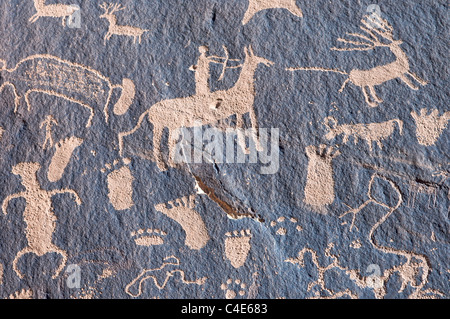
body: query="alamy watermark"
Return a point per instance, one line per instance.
(74, 279)
(374, 16)
(374, 279)
(219, 146)
(74, 19)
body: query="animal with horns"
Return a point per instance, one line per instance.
(374, 27)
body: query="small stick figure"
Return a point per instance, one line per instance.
(48, 123)
(38, 215)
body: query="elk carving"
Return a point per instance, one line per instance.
(378, 34)
(255, 6)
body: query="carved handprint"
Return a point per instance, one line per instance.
(319, 190)
(430, 127)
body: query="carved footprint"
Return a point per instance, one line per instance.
(62, 156)
(149, 237)
(230, 291)
(282, 231)
(237, 247)
(86, 293)
(120, 186)
(22, 294)
(192, 223)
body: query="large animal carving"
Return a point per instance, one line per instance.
(202, 109)
(76, 83)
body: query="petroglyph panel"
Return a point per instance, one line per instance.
(224, 149)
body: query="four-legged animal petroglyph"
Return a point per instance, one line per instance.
(76, 83)
(372, 132)
(48, 123)
(255, 6)
(114, 29)
(195, 110)
(63, 153)
(38, 215)
(53, 10)
(149, 237)
(394, 189)
(120, 186)
(319, 189)
(399, 69)
(160, 277)
(368, 79)
(237, 247)
(430, 127)
(182, 211)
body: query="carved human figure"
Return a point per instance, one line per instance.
(48, 123)
(38, 215)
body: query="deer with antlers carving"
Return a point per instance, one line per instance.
(110, 10)
(374, 27)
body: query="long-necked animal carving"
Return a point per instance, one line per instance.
(372, 132)
(368, 79)
(203, 109)
(114, 28)
(76, 83)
